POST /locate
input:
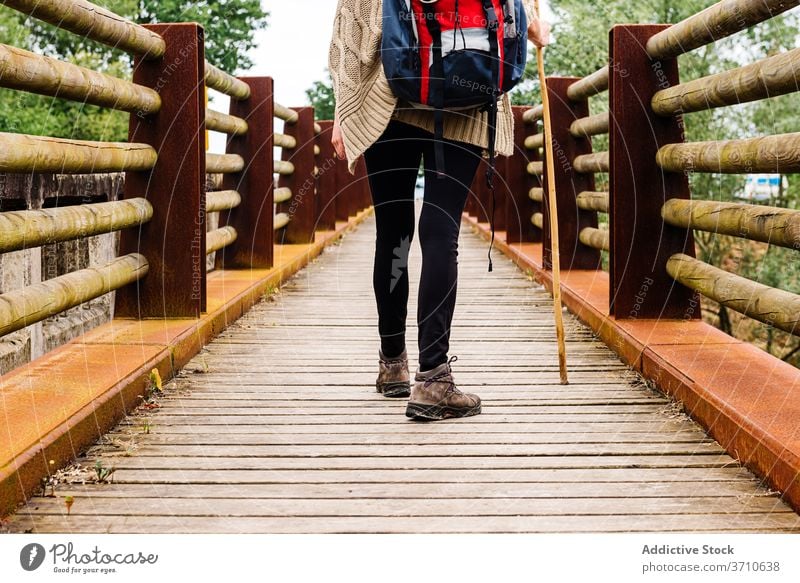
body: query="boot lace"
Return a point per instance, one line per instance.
(445, 377)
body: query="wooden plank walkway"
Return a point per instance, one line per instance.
(276, 428)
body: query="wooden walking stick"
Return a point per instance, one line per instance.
(553, 212)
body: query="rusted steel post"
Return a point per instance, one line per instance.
(641, 241)
(302, 207)
(174, 240)
(326, 178)
(253, 218)
(568, 181)
(520, 207)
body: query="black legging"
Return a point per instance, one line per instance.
(392, 164)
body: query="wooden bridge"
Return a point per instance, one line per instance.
(267, 419)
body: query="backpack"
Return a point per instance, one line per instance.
(455, 54)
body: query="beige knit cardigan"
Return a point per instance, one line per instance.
(364, 101)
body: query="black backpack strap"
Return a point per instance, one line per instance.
(436, 84)
(492, 26)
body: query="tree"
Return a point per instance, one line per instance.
(320, 95)
(229, 25)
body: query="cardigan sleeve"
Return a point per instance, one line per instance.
(335, 53)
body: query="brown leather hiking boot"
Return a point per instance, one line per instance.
(393, 378)
(435, 396)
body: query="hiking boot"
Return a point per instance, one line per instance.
(435, 396)
(393, 378)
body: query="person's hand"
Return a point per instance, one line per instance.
(336, 139)
(539, 32)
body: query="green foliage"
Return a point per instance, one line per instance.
(229, 25)
(320, 95)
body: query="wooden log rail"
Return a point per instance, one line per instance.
(93, 22)
(533, 114)
(227, 124)
(594, 125)
(535, 142)
(219, 239)
(592, 163)
(777, 226)
(23, 153)
(595, 238)
(34, 303)
(34, 228)
(590, 85)
(712, 24)
(778, 153)
(771, 306)
(593, 201)
(284, 113)
(222, 200)
(769, 77)
(224, 163)
(27, 71)
(225, 83)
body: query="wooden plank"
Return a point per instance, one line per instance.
(145, 462)
(695, 523)
(476, 491)
(399, 507)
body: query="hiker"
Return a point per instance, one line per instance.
(394, 135)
